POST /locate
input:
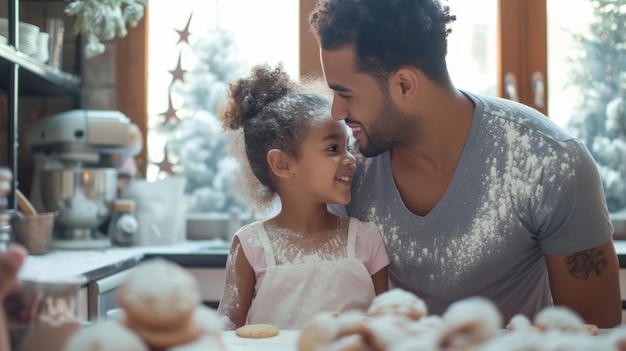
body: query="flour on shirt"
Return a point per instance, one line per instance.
(304, 248)
(521, 182)
(522, 161)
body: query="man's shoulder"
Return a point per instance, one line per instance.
(511, 116)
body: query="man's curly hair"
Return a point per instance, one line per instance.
(386, 34)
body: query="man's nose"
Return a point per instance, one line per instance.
(338, 111)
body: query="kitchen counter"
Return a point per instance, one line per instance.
(620, 248)
(98, 263)
(204, 259)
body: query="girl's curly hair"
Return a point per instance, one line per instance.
(274, 113)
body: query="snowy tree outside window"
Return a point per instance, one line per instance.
(587, 75)
(195, 49)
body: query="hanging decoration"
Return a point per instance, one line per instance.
(103, 20)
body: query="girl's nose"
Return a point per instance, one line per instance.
(349, 161)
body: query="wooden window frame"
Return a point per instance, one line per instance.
(132, 81)
(523, 47)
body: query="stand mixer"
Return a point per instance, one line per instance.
(77, 154)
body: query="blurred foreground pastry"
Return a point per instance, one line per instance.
(398, 321)
(106, 336)
(159, 300)
(162, 311)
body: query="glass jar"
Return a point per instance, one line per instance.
(123, 226)
(43, 315)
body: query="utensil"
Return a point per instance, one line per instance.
(24, 205)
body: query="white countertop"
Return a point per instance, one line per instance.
(286, 340)
(62, 264)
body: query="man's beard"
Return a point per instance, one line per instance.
(392, 129)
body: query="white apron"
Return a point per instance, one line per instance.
(291, 295)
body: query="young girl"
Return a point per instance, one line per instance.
(305, 260)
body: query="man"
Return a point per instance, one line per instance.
(475, 195)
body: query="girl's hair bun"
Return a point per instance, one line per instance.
(248, 96)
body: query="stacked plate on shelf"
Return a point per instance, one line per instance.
(30, 41)
(43, 52)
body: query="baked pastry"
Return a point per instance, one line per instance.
(326, 331)
(559, 318)
(105, 336)
(159, 295)
(398, 301)
(470, 322)
(161, 303)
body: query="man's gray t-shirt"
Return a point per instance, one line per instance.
(523, 188)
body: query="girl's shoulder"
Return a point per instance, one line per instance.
(249, 234)
(362, 226)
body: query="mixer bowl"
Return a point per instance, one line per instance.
(83, 198)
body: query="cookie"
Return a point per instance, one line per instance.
(257, 331)
(592, 329)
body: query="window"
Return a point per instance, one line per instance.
(195, 49)
(565, 58)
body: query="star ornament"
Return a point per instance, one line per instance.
(184, 33)
(165, 166)
(178, 73)
(170, 115)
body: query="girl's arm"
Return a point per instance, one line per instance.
(381, 284)
(238, 288)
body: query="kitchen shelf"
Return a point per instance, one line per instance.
(36, 78)
(21, 75)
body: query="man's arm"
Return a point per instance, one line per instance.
(588, 283)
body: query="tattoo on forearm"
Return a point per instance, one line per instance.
(581, 264)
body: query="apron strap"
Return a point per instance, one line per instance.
(270, 260)
(351, 249)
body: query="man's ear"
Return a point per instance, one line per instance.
(404, 82)
(280, 164)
